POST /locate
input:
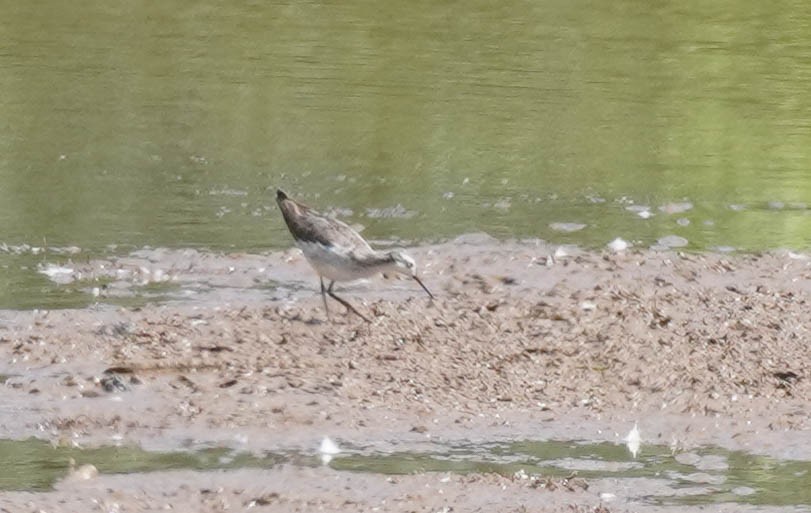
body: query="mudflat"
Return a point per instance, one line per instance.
(524, 340)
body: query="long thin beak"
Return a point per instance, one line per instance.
(423, 286)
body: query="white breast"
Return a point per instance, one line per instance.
(335, 264)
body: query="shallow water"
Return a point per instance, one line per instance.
(165, 125)
(704, 476)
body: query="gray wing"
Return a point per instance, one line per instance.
(308, 225)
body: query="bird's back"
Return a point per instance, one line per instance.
(310, 226)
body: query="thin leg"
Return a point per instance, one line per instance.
(324, 297)
(345, 303)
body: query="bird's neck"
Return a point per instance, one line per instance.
(380, 260)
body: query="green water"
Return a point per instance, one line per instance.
(770, 481)
(124, 124)
(37, 465)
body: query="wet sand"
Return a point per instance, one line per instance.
(523, 341)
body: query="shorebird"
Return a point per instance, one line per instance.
(339, 253)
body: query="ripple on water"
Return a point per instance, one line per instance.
(712, 462)
(593, 465)
(723, 249)
(672, 241)
(57, 273)
(398, 211)
(503, 204)
(642, 211)
(25, 249)
(567, 227)
(687, 458)
(225, 191)
(743, 491)
(705, 462)
(676, 207)
(702, 478)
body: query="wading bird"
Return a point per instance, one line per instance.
(339, 253)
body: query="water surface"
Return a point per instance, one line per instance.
(165, 124)
(705, 476)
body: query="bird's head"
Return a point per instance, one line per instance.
(404, 264)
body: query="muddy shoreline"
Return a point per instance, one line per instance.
(524, 341)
